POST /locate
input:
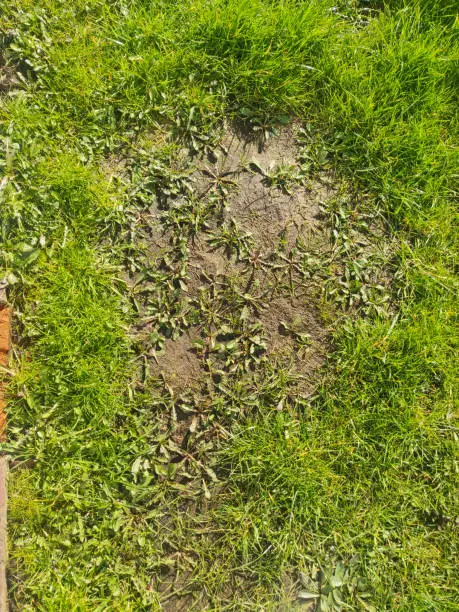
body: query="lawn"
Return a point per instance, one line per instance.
(228, 236)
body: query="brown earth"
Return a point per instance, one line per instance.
(179, 364)
(274, 216)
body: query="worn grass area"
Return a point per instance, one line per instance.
(256, 487)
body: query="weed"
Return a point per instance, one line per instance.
(232, 240)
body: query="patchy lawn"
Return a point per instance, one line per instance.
(228, 239)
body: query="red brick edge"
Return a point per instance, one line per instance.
(4, 348)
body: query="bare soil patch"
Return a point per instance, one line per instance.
(242, 260)
(179, 364)
(268, 200)
(262, 189)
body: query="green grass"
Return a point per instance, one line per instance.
(359, 481)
